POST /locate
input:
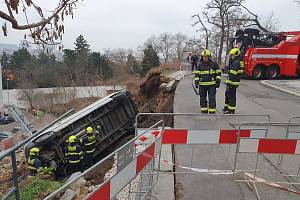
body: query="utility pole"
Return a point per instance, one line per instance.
(1, 93)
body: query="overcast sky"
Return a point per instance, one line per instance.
(129, 23)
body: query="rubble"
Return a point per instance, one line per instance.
(76, 187)
(69, 195)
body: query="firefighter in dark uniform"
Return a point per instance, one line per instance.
(74, 155)
(89, 142)
(194, 61)
(34, 162)
(207, 78)
(235, 72)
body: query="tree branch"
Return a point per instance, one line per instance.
(15, 24)
(255, 19)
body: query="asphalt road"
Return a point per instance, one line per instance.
(253, 98)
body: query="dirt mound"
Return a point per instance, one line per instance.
(151, 86)
(151, 99)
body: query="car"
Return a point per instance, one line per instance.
(113, 116)
(4, 135)
(6, 120)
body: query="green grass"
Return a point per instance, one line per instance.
(37, 188)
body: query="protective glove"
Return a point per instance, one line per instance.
(218, 83)
(196, 83)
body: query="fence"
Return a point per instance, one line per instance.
(11, 151)
(268, 148)
(264, 140)
(131, 176)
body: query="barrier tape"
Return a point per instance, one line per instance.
(230, 172)
(209, 171)
(272, 184)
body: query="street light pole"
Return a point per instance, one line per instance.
(7, 91)
(1, 92)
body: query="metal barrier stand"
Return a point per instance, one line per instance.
(259, 146)
(129, 179)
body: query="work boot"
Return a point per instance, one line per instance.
(231, 112)
(225, 109)
(204, 112)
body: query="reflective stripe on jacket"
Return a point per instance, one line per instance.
(89, 143)
(73, 153)
(34, 163)
(234, 73)
(207, 73)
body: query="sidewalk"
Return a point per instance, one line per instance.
(288, 86)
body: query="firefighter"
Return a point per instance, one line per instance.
(208, 78)
(74, 155)
(89, 142)
(235, 71)
(194, 61)
(34, 162)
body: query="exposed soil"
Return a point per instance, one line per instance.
(151, 99)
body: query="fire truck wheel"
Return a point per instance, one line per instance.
(272, 72)
(258, 72)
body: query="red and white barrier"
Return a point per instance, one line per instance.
(269, 145)
(114, 185)
(185, 136)
(147, 138)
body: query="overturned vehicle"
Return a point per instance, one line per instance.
(113, 114)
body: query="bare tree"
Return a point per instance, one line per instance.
(165, 45)
(215, 14)
(153, 41)
(194, 44)
(180, 45)
(27, 93)
(202, 28)
(267, 25)
(48, 28)
(222, 18)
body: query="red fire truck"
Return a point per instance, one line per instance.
(269, 56)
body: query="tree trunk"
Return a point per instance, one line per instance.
(221, 46)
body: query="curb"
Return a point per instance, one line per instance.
(265, 83)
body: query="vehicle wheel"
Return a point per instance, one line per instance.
(272, 72)
(258, 72)
(45, 139)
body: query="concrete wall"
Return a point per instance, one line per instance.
(55, 95)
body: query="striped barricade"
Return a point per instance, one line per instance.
(113, 186)
(269, 146)
(186, 136)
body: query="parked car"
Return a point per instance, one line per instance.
(6, 120)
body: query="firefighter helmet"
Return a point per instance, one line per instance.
(206, 52)
(89, 129)
(235, 52)
(72, 139)
(34, 151)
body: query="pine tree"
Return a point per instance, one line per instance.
(150, 59)
(81, 45)
(4, 59)
(132, 64)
